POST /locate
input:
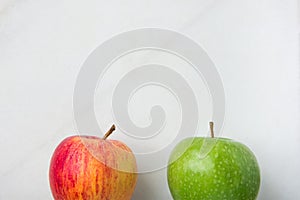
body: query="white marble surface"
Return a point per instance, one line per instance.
(43, 43)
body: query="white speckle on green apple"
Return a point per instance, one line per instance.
(228, 171)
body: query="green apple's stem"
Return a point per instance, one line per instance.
(211, 125)
(112, 128)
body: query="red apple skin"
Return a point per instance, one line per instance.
(90, 168)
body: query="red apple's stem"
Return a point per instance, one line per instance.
(112, 128)
(211, 125)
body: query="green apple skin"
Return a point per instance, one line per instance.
(229, 171)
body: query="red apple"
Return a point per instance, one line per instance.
(88, 168)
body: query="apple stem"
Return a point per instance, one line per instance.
(112, 128)
(211, 125)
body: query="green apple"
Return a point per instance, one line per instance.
(213, 169)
